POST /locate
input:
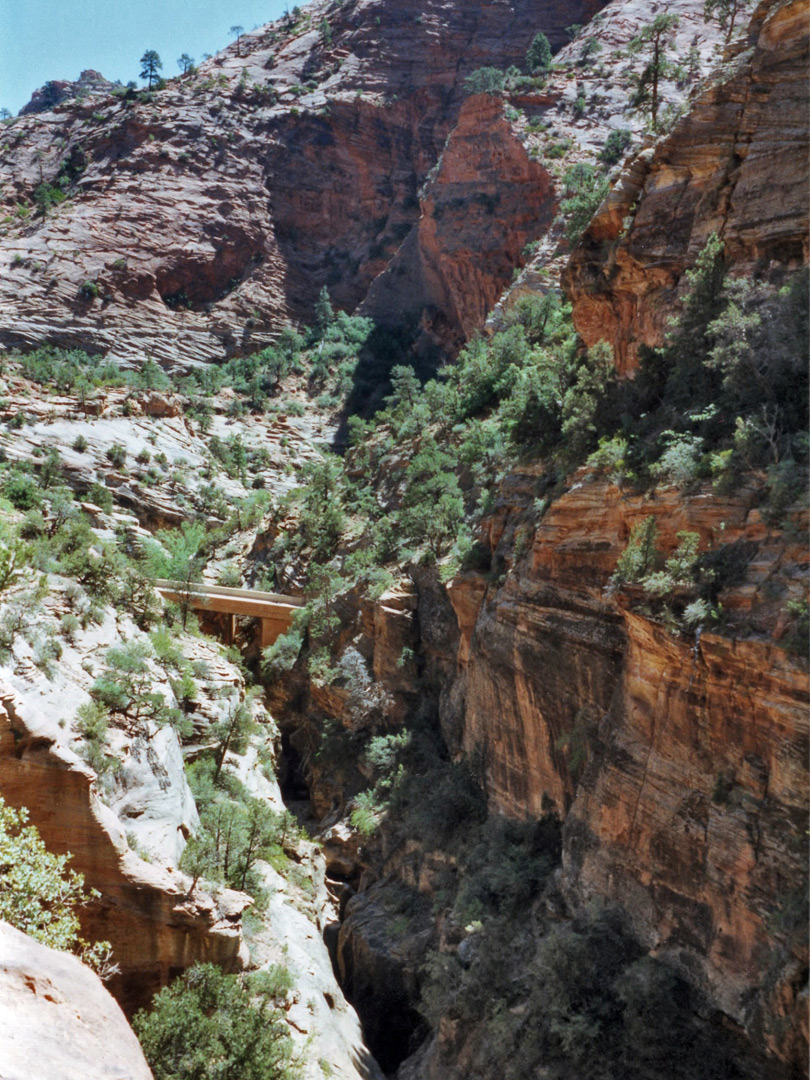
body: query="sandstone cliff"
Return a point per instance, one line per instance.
(155, 927)
(735, 166)
(202, 216)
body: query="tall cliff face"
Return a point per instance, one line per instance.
(735, 166)
(488, 198)
(204, 215)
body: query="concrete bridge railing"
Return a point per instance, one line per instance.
(274, 610)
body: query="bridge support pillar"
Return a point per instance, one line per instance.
(269, 631)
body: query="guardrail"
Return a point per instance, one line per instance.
(202, 588)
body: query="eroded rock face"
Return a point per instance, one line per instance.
(202, 219)
(57, 1021)
(487, 199)
(735, 166)
(58, 90)
(692, 815)
(679, 763)
(155, 927)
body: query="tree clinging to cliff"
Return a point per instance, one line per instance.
(538, 58)
(724, 13)
(654, 40)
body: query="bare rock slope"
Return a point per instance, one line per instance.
(57, 1022)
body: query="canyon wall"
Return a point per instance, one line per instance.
(202, 217)
(156, 928)
(735, 165)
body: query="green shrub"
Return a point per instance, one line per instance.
(40, 895)
(211, 1026)
(280, 657)
(22, 491)
(89, 290)
(584, 188)
(116, 455)
(641, 555)
(485, 80)
(615, 146)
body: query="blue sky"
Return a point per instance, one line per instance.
(57, 39)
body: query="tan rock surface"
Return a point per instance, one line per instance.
(155, 928)
(57, 1021)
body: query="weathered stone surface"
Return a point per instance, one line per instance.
(487, 200)
(156, 929)
(681, 763)
(736, 165)
(205, 217)
(692, 818)
(58, 90)
(322, 1023)
(57, 1021)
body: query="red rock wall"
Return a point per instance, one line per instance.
(680, 766)
(486, 201)
(735, 165)
(241, 208)
(693, 819)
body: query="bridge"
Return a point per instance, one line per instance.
(274, 610)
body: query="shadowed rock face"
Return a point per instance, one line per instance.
(487, 199)
(207, 216)
(735, 166)
(57, 1020)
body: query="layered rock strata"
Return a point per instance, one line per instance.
(735, 166)
(202, 218)
(155, 926)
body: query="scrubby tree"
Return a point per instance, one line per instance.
(538, 58)
(591, 47)
(127, 687)
(584, 188)
(654, 41)
(616, 144)
(485, 80)
(725, 13)
(212, 1026)
(5, 114)
(232, 732)
(324, 312)
(151, 65)
(39, 894)
(185, 63)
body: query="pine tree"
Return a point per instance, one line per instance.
(151, 64)
(654, 40)
(538, 58)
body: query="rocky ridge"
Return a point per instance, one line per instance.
(732, 167)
